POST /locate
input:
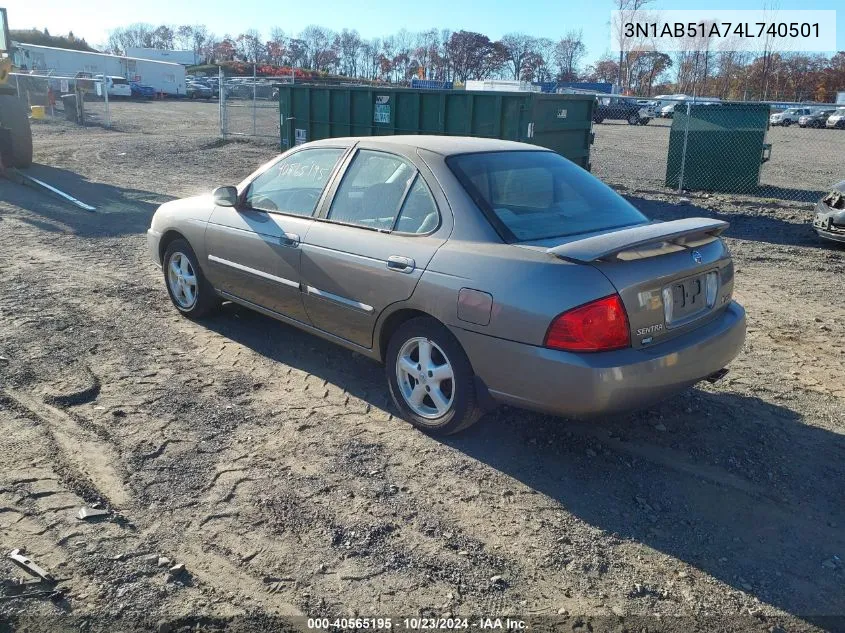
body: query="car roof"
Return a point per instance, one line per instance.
(445, 145)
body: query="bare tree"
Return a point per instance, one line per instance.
(569, 52)
(349, 45)
(184, 37)
(518, 47)
(318, 41)
(199, 40)
(628, 10)
(250, 47)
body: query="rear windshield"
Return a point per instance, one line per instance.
(537, 195)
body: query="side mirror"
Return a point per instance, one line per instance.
(225, 196)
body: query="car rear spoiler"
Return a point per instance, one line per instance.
(604, 246)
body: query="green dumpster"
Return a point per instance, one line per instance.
(722, 148)
(562, 123)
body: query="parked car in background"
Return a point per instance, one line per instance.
(661, 101)
(117, 86)
(837, 119)
(668, 110)
(815, 119)
(635, 112)
(829, 222)
(196, 90)
(214, 84)
(789, 116)
(142, 91)
(478, 271)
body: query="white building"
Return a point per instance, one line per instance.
(166, 77)
(186, 58)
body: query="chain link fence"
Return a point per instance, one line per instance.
(77, 99)
(785, 152)
(249, 106)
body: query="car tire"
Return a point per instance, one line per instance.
(194, 300)
(14, 116)
(644, 121)
(598, 120)
(786, 123)
(455, 407)
(633, 119)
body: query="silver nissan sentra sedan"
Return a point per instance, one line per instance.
(478, 271)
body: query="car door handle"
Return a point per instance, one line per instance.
(291, 240)
(400, 264)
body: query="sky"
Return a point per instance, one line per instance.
(93, 19)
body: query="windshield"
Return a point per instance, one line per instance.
(533, 195)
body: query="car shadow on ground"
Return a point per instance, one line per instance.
(119, 210)
(730, 484)
(755, 226)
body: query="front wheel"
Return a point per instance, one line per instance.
(188, 288)
(430, 378)
(633, 119)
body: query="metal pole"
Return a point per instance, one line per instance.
(106, 97)
(221, 100)
(253, 101)
(684, 151)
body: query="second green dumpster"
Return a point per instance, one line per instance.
(562, 123)
(718, 147)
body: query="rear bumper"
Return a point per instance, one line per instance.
(585, 385)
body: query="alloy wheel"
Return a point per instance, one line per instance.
(426, 378)
(182, 280)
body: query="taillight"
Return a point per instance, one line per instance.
(598, 326)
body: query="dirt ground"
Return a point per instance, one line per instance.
(272, 466)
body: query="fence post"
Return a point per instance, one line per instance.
(105, 85)
(254, 128)
(684, 151)
(221, 100)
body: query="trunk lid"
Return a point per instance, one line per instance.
(672, 276)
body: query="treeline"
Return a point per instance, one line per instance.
(729, 75)
(43, 38)
(462, 55)
(431, 54)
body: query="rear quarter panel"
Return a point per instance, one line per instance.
(529, 288)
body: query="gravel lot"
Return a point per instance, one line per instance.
(271, 465)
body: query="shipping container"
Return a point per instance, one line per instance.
(562, 123)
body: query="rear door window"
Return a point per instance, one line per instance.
(373, 187)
